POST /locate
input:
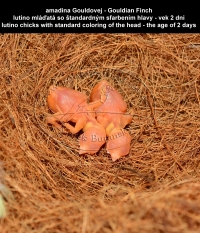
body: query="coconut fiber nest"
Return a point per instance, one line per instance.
(155, 188)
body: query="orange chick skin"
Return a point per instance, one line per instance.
(111, 115)
(69, 105)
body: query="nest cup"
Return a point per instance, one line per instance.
(153, 189)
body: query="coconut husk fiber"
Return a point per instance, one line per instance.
(155, 188)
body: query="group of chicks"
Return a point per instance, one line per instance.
(102, 120)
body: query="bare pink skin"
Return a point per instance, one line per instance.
(69, 105)
(111, 115)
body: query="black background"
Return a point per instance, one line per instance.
(163, 8)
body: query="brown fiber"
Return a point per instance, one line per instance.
(155, 188)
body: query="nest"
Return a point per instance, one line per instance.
(153, 189)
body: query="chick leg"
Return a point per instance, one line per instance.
(54, 119)
(75, 129)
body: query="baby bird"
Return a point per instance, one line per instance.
(111, 115)
(69, 105)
